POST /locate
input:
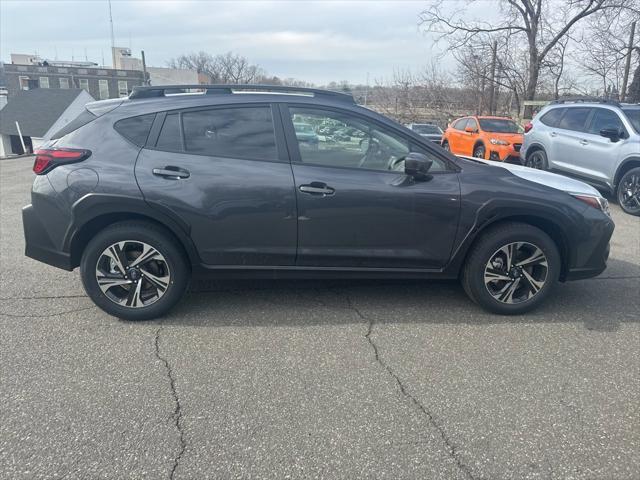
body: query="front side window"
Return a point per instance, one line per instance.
(605, 119)
(336, 139)
(242, 132)
(460, 124)
(473, 124)
(575, 119)
(633, 114)
(44, 82)
(103, 88)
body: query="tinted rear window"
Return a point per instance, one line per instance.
(135, 129)
(575, 119)
(244, 132)
(80, 121)
(552, 117)
(170, 135)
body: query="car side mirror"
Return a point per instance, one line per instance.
(612, 134)
(417, 165)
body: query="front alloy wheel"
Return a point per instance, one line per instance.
(132, 274)
(516, 272)
(511, 268)
(629, 192)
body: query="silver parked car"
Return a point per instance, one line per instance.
(595, 141)
(427, 130)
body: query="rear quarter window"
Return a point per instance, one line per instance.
(552, 117)
(135, 129)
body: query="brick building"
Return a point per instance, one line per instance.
(101, 83)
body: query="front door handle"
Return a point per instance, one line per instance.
(175, 173)
(317, 188)
(584, 142)
(554, 134)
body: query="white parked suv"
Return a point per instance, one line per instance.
(595, 141)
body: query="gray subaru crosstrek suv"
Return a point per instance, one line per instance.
(596, 141)
(145, 192)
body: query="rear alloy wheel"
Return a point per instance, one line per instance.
(511, 269)
(134, 271)
(537, 159)
(479, 151)
(629, 192)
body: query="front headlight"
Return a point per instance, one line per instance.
(594, 201)
(497, 141)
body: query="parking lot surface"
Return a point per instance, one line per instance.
(316, 379)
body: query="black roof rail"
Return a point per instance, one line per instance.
(585, 100)
(162, 90)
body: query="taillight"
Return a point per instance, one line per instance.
(528, 127)
(48, 159)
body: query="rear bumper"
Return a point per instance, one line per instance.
(38, 244)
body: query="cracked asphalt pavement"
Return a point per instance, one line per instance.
(316, 379)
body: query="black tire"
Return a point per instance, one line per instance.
(628, 192)
(479, 151)
(484, 251)
(537, 159)
(136, 233)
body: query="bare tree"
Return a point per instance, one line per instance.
(602, 52)
(223, 68)
(540, 23)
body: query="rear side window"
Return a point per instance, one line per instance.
(603, 118)
(80, 121)
(575, 119)
(135, 129)
(552, 117)
(244, 132)
(170, 136)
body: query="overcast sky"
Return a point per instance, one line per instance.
(312, 41)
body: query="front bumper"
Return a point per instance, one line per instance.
(592, 253)
(38, 244)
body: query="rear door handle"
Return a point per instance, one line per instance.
(553, 134)
(317, 188)
(172, 172)
(584, 142)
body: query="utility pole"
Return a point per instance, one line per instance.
(113, 41)
(627, 66)
(145, 81)
(492, 87)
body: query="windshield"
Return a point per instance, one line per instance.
(633, 114)
(499, 125)
(426, 129)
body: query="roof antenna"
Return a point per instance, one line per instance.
(113, 41)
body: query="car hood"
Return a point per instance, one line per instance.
(542, 177)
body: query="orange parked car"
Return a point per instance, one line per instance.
(491, 138)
